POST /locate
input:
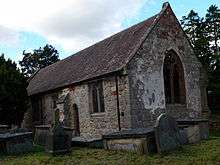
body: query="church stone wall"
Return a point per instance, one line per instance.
(92, 125)
(145, 72)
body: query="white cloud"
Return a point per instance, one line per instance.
(73, 24)
(8, 36)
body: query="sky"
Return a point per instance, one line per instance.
(72, 25)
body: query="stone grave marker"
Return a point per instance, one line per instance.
(4, 128)
(167, 133)
(141, 141)
(16, 141)
(58, 141)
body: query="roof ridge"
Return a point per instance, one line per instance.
(156, 20)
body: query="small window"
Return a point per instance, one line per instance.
(96, 97)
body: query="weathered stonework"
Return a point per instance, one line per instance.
(124, 103)
(145, 72)
(134, 145)
(92, 125)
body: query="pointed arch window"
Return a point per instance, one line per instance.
(96, 97)
(174, 82)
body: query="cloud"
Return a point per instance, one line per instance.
(8, 37)
(73, 24)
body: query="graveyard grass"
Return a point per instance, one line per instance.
(204, 152)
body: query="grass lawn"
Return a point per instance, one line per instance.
(205, 152)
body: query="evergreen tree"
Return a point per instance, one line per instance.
(38, 59)
(191, 24)
(212, 20)
(13, 96)
(194, 26)
(204, 34)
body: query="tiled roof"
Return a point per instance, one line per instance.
(104, 57)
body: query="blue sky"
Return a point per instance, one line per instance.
(75, 25)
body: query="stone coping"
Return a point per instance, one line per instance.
(191, 121)
(85, 140)
(4, 126)
(11, 135)
(132, 133)
(42, 126)
(49, 126)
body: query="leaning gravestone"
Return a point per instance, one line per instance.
(168, 136)
(58, 141)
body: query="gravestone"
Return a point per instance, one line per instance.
(168, 136)
(16, 141)
(141, 141)
(193, 133)
(138, 145)
(4, 128)
(58, 141)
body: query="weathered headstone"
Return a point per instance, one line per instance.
(141, 141)
(4, 128)
(16, 141)
(133, 145)
(168, 136)
(195, 129)
(193, 133)
(41, 132)
(58, 141)
(204, 130)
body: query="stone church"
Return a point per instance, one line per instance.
(123, 82)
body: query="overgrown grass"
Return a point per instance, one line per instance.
(205, 152)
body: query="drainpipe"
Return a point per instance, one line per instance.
(117, 97)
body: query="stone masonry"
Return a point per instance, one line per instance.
(92, 125)
(145, 72)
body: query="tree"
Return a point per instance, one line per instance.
(194, 27)
(13, 95)
(191, 24)
(38, 59)
(204, 35)
(212, 20)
